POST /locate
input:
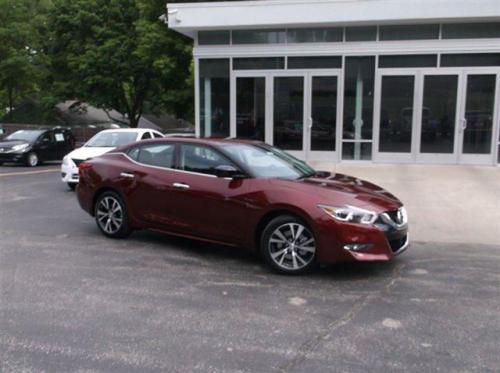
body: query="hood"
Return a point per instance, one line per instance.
(6, 145)
(86, 152)
(339, 189)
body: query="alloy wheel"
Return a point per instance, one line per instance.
(109, 215)
(32, 159)
(292, 246)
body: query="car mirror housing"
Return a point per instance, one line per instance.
(229, 171)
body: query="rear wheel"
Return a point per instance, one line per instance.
(288, 245)
(111, 215)
(32, 159)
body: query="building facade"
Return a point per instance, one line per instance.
(350, 80)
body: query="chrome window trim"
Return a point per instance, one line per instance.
(162, 168)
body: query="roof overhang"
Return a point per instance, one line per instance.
(187, 18)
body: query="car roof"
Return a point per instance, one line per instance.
(136, 130)
(209, 141)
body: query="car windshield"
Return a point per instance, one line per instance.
(111, 139)
(24, 135)
(265, 161)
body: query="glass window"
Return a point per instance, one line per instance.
(361, 33)
(201, 159)
(477, 59)
(25, 135)
(314, 35)
(408, 32)
(357, 151)
(288, 112)
(157, 135)
(324, 112)
(214, 97)
(438, 114)
(146, 136)
(112, 139)
(160, 155)
(470, 30)
(416, 60)
(251, 108)
(479, 109)
(265, 161)
(358, 97)
(213, 37)
(396, 114)
(320, 62)
(261, 63)
(258, 36)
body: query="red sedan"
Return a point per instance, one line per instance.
(244, 194)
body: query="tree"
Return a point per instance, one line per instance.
(115, 54)
(21, 63)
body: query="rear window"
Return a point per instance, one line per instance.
(111, 139)
(159, 155)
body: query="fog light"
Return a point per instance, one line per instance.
(358, 246)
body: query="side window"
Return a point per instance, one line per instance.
(157, 135)
(160, 155)
(47, 136)
(196, 158)
(146, 135)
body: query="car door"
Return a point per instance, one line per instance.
(46, 146)
(148, 180)
(206, 205)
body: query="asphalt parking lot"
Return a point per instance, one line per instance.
(72, 300)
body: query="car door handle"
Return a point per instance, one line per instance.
(127, 174)
(181, 186)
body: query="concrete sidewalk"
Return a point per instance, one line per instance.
(445, 203)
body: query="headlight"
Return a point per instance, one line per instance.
(350, 214)
(20, 148)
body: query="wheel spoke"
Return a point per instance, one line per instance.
(292, 231)
(277, 240)
(294, 261)
(307, 242)
(300, 259)
(300, 229)
(309, 249)
(278, 233)
(278, 253)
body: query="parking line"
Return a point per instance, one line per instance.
(30, 172)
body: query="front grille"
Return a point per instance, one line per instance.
(77, 161)
(397, 244)
(393, 215)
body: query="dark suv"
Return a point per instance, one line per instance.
(31, 147)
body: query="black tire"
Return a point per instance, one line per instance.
(32, 159)
(1, 163)
(115, 225)
(296, 254)
(72, 186)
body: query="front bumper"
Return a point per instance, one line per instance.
(69, 173)
(381, 242)
(13, 157)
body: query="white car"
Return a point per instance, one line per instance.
(99, 144)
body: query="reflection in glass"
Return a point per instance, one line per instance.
(357, 151)
(288, 112)
(314, 35)
(479, 114)
(251, 108)
(396, 114)
(438, 114)
(361, 33)
(259, 36)
(214, 97)
(324, 112)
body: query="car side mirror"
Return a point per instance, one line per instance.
(228, 171)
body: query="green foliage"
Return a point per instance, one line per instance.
(115, 54)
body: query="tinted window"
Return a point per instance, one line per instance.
(25, 135)
(419, 60)
(146, 136)
(408, 32)
(213, 37)
(157, 135)
(314, 35)
(258, 63)
(478, 59)
(201, 159)
(470, 30)
(362, 33)
(160, 155)
(320, 62)
(258, 36)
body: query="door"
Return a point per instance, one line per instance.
(323, 117)
(47, 147)
(395, 115)
(478, 117)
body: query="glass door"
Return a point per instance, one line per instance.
(477, 118)
(251, 107)
(323, 117)
(395, 117)
(438, 117)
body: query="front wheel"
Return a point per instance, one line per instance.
(72, 186)
(111, 215)
(32, 160)
(288, 245)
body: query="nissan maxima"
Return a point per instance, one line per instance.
(243, 194)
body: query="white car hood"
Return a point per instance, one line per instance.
(86, 152)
